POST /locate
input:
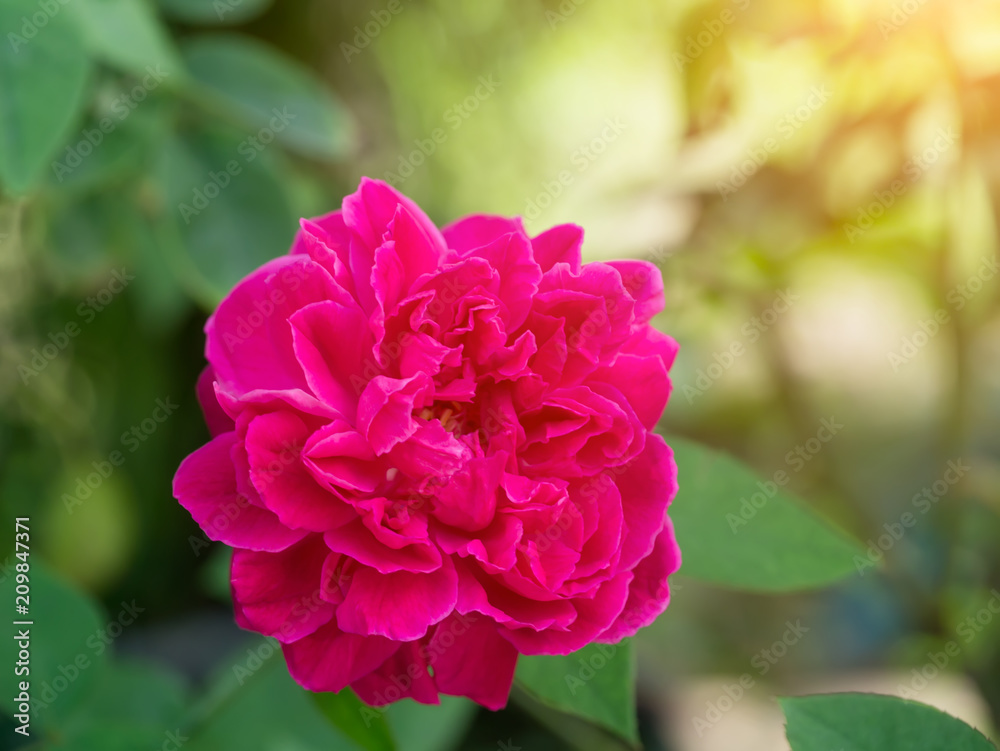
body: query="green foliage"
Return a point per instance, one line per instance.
(228, 207)
(596, 683)
(426, 727)
(366, 726)
(128, 35)
(871, 722)
(43, 84)
(275, 97)
(214, 11)
(776, 545)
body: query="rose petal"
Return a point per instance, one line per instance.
(328, 659)
(279, 594)
(471, 659)
(399, 606)
(205, 484)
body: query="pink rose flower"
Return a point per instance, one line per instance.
(433, 450)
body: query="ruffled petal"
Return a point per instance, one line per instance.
(399, 606)
(280, 594)
(471, 659)
(205, 484)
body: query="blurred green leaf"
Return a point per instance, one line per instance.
(596, 683)
(272, 93)
(773, 546)
(227, 208)
(426, 727)
(127, 34)
(133, 706)
(159, 296)
(266, 711)
(365, 725)
(82, 166)
(871, 722)
(214, 11)
(43, 82)
(67, 655)
(79, 239)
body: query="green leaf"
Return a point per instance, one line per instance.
(264, 709)
(365, 725)
(128, 35)
(226, 208)
(68, 654)
(43, 82)
(739, 532)
(214, 11)
(134, 706)
(871, 722)
(270, 93)
(596, 683)
(426, 727)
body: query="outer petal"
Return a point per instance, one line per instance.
(205, 484)
(399, 606)
(472, 232)
(644, 383)
(329, 659)
(215, 417)
(249, 341)
(403, 676)
(649, 593)
(561, 244)
(279, 594)
(370, 210)
(471, 659)
(644, 283)
(648, 485)
(594, 616)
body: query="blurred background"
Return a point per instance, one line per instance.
(819, 181)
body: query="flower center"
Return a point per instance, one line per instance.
(452, 415)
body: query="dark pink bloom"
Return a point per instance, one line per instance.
(433, 450)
